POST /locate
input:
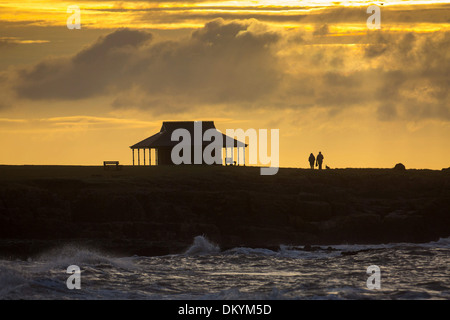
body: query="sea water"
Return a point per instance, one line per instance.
(205, 272)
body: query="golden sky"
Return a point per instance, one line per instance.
(312, 69)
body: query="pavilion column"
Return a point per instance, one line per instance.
(232, 155)
(149, 156)
(132, 150)
(139, 157)
(240, 161)
(244, 155)
(144, 157)
(241, 158)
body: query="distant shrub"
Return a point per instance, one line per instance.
(399, 166)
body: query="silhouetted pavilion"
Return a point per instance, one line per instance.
(162, 143)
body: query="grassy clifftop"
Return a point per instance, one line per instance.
(158, 210)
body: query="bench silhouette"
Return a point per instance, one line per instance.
(107, 164)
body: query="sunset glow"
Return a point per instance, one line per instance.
(313, 69)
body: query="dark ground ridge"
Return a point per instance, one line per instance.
(159, 210)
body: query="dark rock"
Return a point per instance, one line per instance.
(164, 211)
(314, 210)
(400, 167)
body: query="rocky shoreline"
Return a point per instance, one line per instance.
(159, 210)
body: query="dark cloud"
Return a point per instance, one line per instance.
(221, 62)
(119, 39)
(386, 112)
(333, 90)
(413, 76)
(246, 64)
(377, 44)
(321, 31)
(91, 72)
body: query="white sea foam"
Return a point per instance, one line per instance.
(205, 272)
(251, 251)
(441, 243)
(202, 246)
(296, 253)
(324, 251)
(75, 255)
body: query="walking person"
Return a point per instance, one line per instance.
(312, 159)
(319, 160)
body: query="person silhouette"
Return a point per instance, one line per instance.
(319, 160)
(311, 159)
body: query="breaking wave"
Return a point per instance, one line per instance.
(202, 246)
(203, 271)
(67, 255)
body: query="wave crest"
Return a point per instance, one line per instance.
(75, 255)
(202, 246)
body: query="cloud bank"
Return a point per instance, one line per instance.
(248, 64)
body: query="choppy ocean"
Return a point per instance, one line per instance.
(204, 272)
